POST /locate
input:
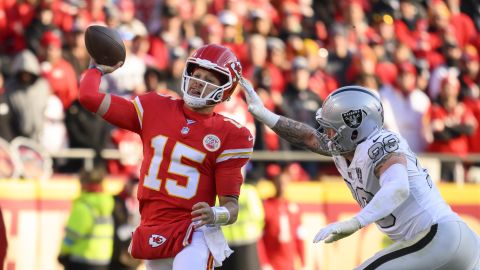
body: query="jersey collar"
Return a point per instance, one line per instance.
(190, 114)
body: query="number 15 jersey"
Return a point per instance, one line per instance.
(188, 158)
(424, 205)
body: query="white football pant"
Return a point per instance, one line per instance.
(195, 256)
(447, 246)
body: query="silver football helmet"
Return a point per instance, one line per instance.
(353, 113)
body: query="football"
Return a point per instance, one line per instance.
(104, 45)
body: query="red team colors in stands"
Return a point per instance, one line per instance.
(191, 155)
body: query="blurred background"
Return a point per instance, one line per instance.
(422, 56)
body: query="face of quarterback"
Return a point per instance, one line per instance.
(203, 82)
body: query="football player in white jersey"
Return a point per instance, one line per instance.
(385, 178)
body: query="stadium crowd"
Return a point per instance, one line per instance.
(422, 56)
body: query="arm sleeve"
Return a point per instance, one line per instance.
(116, 110)
(229, 177)
(393, 192)
(229, 163)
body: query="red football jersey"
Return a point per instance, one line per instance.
(188, 158)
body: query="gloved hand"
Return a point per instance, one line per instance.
(337, 230)
(104, 68)
(256, 106)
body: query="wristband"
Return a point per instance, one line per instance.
(267, 117)
(221, 215)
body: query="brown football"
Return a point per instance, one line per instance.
(104, 45)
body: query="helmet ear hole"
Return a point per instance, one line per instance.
(218, 96)
(354, 135)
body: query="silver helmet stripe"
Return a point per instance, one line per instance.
(353, 88)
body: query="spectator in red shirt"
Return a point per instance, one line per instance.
(410, 24)
(452, 20)
(470, 73)
(232, 34)
(474, 106)
(19, 15)
(59, 73)
(281, 247)
(321, 82)
(356, 22)
(364, 61)
(451, 122)
(470, 90)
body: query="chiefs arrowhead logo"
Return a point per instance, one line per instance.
(156, 240)
(237, 69)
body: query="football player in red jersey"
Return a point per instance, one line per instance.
(190, 156)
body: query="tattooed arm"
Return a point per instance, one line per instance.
(295, 132)
(389, 160)
(301, 135)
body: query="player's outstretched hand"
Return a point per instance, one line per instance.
(104, 68)
(255, 104)
(337, 231)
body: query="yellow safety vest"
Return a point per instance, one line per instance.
(249, 225)
(89, 231)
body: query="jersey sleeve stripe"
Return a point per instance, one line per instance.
(105, 105)
(224, 158)
(234, 153)
(139, 109)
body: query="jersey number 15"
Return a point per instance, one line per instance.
(175, 167)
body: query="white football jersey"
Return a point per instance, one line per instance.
(423, 207)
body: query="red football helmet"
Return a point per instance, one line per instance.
(223, 63)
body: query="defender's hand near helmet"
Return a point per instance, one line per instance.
(256, 106)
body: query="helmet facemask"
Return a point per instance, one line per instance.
(210, 94)
(332, 143)
(348, 117)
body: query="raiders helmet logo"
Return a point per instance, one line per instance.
(352, 118)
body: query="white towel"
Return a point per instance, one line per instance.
(216, 243)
